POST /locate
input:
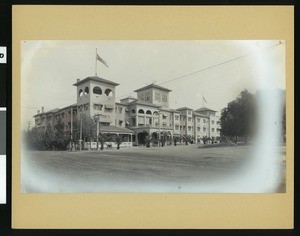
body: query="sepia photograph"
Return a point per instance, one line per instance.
(153, 116)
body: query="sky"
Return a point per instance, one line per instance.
(216, 69)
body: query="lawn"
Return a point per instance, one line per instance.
(137, 169)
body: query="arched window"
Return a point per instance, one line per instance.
(80, 92)
(148, 112)
(141, 111)
(133, 111)
(97, 90)
(108, 92)
(155, 113)
(86, 90)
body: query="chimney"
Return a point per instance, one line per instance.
(78, 80)
(38, 111)
(42, 109)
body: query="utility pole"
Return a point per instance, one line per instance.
(71, 128)
(159, 128)
(98, 128)
(80, 141)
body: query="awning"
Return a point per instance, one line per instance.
(109, 106)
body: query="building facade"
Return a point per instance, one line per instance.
(135, 118)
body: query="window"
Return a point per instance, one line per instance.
(157, 96)
(133, 111)
(164, 97)
(141, 111)
(212, 129)
(80, 93)
(148, 112)
(198, 120)
(97, 90)
(164, 116)
(108, 92)
(86, 90)
(180, 127)
(198, 128)
(176, 117)
(86, 107)
(212, 121)
(204, 129)
(164, 124)
(155, 113)
(120, 122)
(133, 121)
(176, 127)
(120, 109)
(189, 128)
(189, 112)
(189, 119)
(204, 120)
(147, 96)
(97, 107)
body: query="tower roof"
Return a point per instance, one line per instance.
(204, 109)
(152, 86)
(97, 79)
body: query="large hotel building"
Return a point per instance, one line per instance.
(133, 118)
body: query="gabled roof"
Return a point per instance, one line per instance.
(129, 97)
(205, 109)
(114, 129)
(183, 108)
(152, 86)
(141, 102)
(97, 79)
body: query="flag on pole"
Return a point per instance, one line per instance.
(101, 59)
(204, 99)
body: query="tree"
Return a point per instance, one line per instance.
(102, 139)
(89, 128)
(154, 138)
(205, 139)
(237, 118)
(118, 139)
(61, 141)
(147, 140)
(48, 138)
(175, 140)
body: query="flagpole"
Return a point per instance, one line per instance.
(202, 99)
(96, 63)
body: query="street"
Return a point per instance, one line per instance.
(175, 169)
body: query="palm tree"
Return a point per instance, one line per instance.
(175, 140)
(118, 139)
(205, 139)
(102, 139)
(147, 140)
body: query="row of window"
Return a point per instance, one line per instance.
(96, 90)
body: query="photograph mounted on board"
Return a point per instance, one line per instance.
(153, 116)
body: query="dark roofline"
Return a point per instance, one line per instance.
(152, 86)
(205, 109)
(184, 108)
(97, 79)
(47, 112)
